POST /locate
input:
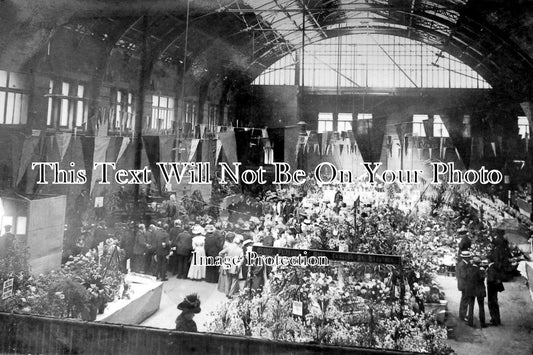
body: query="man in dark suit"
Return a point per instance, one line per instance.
(161, 250)
(494, 285)
(212, 246)
(183, 252)
(173, 236)
(460, 274)
(471, 290)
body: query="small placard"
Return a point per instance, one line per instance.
(99, 201)
(7, 290)
(297, 308)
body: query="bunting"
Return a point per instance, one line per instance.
(123, 146)
(28, 148)
(194, 147)
(218, 150)
(229, 145)
(100, 149)
(62, 141)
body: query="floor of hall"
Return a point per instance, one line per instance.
(514, 336)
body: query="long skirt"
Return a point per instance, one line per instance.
(197, 271)
(224, 281)
(211, 274)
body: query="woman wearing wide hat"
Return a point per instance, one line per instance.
(188, 307)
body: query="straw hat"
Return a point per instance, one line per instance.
(197, 229)
(465, 254)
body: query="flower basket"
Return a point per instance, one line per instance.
(438, 309)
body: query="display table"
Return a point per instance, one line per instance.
(144, 299)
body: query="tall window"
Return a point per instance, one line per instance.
(364, 123)
(124, 114)
(162, 112)
(418, 125)
(67, 105)
(191, 113)
(345, 122)
(13, 98)
(325, 122)
(439, 129)
(523, 127)
(212, 116)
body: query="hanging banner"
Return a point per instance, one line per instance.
(123, 146)
(493, 146)
(264, 133)
(28, 149)
(217, 153)
(100, 149)
(194, 147)
(229, 145)
(62, 141)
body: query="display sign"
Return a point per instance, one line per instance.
(99, 202)
(7, 290)
(331, 255)
(297, 308)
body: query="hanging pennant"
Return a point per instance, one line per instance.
(62, 141)
(123, 146)
(194, 147)
(25, 158)
(493, 146)
(218, 149)
(100, 149)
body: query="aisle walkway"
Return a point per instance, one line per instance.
(174, 291)
(514, 336)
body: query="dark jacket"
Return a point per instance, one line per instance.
(185, 325)
(212, 245)
(473, 275)
(162, 244)
(184, 243)
(460, 274)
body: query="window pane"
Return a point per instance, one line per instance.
(49, 113)
(65, 89)
(24, 113)
(63, 118)
(163, 102)
(155, 100)
(2, 106)
(18, 81)
(3, 78)
(119, 96)
(81, 90)
(17, 109)
(170, 102)
(79, 113)
(10, 107)
(130, 99)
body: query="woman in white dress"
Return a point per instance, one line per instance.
(197, 270)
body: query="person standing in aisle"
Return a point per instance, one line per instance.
(460, 274)
(183, 252)
(162, 249)
(494, 285)
(480, 290)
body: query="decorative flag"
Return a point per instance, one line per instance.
(100, 149)
(229, 145)
(194, 146)
(493, 145)
(264, 133)
(123, 147)
(218, 149)
(63, 141)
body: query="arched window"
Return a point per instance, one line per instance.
(374, 61)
